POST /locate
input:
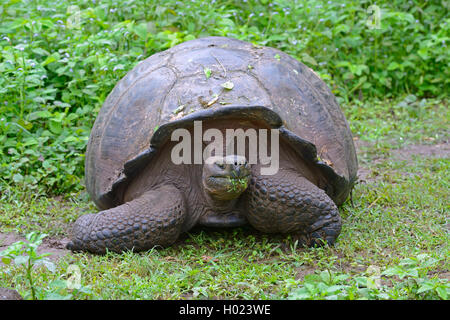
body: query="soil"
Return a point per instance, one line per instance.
(303, 271)
(9, 294)
(440, 150)
(49, 245)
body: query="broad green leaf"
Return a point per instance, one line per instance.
(55, 126)
(141, 30)
(442, 292)
(40, 51)
(425, 287)
(39, 114)
(17, 23)
(341, 28)
(57, 296)
(51, 58)
(17, 178)
(393, 66)
(49, 265)
(308, 59)
(21, 260)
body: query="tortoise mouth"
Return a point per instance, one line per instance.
(226, 179)
(220, 184)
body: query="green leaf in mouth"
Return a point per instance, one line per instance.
(237, 184)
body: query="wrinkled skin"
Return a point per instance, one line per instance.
(167, 199)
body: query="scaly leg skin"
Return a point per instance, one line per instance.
(155, 218)
(288, 203)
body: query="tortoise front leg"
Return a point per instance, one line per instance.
(155, 218)
(289, 203)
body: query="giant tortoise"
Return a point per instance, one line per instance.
(148, 199)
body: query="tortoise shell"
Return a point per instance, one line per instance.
(209, 78)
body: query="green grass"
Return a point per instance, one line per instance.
(403, 121)
(399, 212)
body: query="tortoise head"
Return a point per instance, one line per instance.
(225, 178)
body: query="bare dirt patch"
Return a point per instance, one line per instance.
(303, 271)
(55, 246)
(9, 294)
(440, 150)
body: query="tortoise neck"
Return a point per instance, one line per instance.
(219, 205)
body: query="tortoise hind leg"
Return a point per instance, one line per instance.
(155, 218)
(288, 203)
